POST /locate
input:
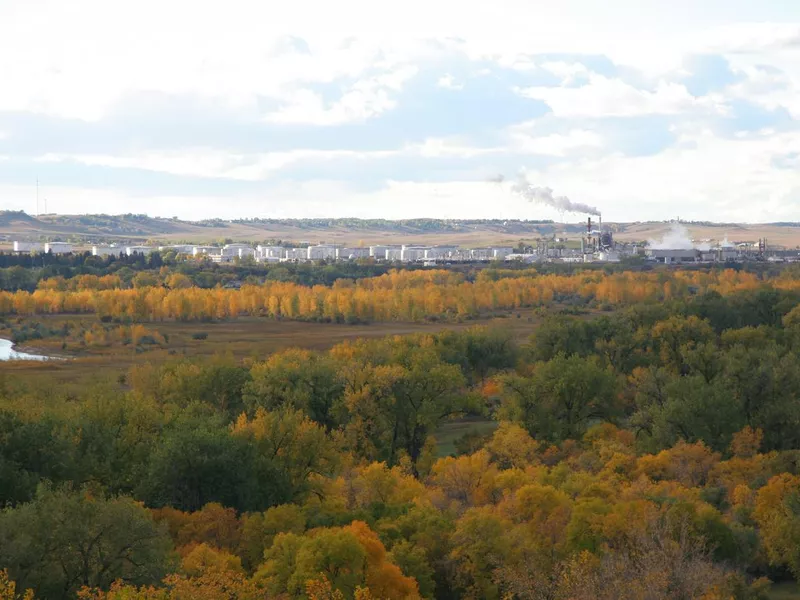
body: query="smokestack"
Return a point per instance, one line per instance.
(589, 226)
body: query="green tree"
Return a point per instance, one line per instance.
(65, 539)
(198, 461)
(561, 398)
(30, 451)
(288, 450)
(299, 379)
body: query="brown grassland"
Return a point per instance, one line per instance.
(249, 337)
(172, 231)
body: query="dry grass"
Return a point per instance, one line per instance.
(246, 337)
(479, 236)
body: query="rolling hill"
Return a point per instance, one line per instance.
(131, 228)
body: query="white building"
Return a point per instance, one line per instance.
(526, 258)
(481, 254)
(130, 250)
(199, 250)
(608, 256)
(673, 256)
(321, 252)
(28, 247)
(237, 251)
(413, 253)
(441, 252)
(106, 250)
(267, 252)
(500, 252)
(58, 247)
(379, 251)
(179, 248)
(393, 254)
(352, 253)
(298, 254)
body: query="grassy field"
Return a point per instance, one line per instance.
(243, 338)
(787, 590)
(449, 433)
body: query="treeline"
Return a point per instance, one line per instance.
(649, 453)
(402, 225)
(395, 296)
(26, 272)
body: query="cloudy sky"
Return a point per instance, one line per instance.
(648, 109)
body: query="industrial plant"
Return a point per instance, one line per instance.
(596, 244)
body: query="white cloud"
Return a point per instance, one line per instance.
(439, 147)
(449, 82)
(605, 97)
(214, 164)
(56, 61)
(365, 99)
(702, 177)
(555, 144)
(568, 72)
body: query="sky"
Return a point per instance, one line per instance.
(646, 109)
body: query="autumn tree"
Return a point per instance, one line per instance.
(777, 512)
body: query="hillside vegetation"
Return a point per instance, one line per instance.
(467, 232)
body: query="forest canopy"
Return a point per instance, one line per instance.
(647, 451)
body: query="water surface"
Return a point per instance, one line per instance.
(7, 352)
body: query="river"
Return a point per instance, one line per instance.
(7, 352)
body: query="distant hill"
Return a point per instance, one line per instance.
(133, 228)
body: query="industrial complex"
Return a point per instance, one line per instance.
(596, 244)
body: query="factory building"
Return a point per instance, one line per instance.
(28, 247)
(379, 252)
(296, 254)
(269, 253)
(393, 253)
(106, 250)
(673, 256)
(131, 250)
(200, 250)
(352, 253)
(481, 254)
(413, 253)
(321, 252)
(178, 248)
(58, 247)
(441, 252)
(231, 251)
(500, 252)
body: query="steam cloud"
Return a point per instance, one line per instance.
(677, 238)
(544, 195)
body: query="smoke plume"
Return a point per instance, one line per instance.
(677, 238)
(544, 195)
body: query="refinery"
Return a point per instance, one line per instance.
(592, 243)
